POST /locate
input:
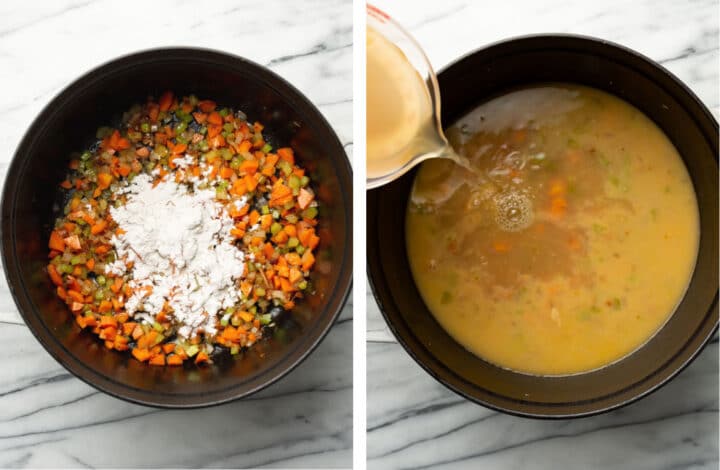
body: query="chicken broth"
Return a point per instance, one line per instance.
(572, 242)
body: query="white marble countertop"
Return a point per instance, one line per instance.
(413, 421)
(48, 418)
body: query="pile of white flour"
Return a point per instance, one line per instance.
(182, 252)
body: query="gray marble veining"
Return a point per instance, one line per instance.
(413, 421)
(48, 418)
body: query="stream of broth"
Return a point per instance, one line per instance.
(570, 245)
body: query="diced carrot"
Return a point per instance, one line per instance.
(200, 117)
(207, 106)
(557, 188)
(137, 332)
(105, 306)
(141, 354)
(56, 241)
(168, 348)
(501, 247)
(128, 327)
(61, 292)
(102, 249)
(117, 304)
(215, 118)
(250, 182)
(253, 217)
(174, 360)
(90, 263)
(217, 141)
(291, 230)
(165, 101)
(66, 184)
(249, 166)
(308, 260)
(158, 360)
(76, 296)
(293, 259)
(55, 276)
(238, 187)
(558, 206)
(280, 194)
(305, 198)
(295, 275)
(266, 221)
(286, 153)
(108, 321)
(99, 227)
(314, 241)
(77, 271)
(213, 130)
(104, 180)
(268, 250)
(226, 172)
(142, 152)
(80, 320)
(179, 148)
(109, 332)
(202, 358)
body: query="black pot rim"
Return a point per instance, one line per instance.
(80, 369)
(414, 348)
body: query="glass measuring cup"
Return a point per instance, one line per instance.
(389, 160)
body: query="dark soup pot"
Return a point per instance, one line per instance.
(480, 76)
(68, 124)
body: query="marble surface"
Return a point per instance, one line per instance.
(48, 418)
(414, 422)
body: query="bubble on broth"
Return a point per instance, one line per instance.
(513, 211)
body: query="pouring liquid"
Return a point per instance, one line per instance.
(401, 125)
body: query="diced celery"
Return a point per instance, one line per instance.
(85, 155)
(228, 127)
(267, 148)
(293, 242)
(294, 182)
(265, 319)
(77, 259)
(158, 327)
(161, 150)
(224, 112)
(145, 127)
(260, 291)
(292, 218)
(276, 214)
(265, 210)
(99, 295)
(204, 146)
(182, 125)
(304, 181)
(302, 285)
(310, 213)
(226, 154)
(65, 268)
(234, 349)
(235, 163)
(101, 280)
(300, 249)
(275, 228)
(192, 350)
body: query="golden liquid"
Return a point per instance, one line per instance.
(399, 110)
(574, 244)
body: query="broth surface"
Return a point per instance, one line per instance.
(573, 243)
